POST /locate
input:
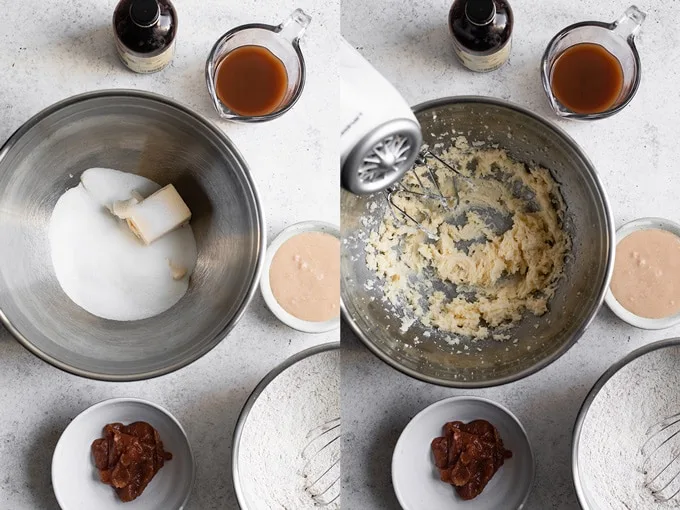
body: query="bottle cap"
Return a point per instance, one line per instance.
(145, 13)
(480, 12)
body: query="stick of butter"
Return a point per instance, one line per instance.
(157, 215)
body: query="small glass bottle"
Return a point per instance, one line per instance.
(145, 32)
(482, 33)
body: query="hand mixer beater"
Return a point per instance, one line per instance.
(381, 141)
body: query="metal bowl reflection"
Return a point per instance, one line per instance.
(527, 137)
(159, 139)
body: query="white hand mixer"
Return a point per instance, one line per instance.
(381, 138)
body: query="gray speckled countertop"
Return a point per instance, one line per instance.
(51, 50)
(636, 153)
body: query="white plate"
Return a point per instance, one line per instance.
(265, 288)
(613, 304)
(416, 478)
(76, 479)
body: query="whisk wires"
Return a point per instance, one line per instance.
(322, 483)
(655, 433)
(427, 187)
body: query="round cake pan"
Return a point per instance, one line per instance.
(425, 354)
(155, 137)
(583, 496)
(248, 406)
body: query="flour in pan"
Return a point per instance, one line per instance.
(300, 399)
(610, 461)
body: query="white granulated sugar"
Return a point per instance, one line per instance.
(406, 323)
(101, 265)
(452, 340)
(638, 396)
(300, 399)
(368, 221)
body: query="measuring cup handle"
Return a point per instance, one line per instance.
(294, 26)
(628, 25)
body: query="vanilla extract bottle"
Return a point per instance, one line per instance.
(482, 33)
(145, 33)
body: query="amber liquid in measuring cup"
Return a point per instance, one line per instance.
(251, 81)
(586, 78)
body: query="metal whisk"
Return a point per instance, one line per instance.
(322, 463)
(661, 453)
(428, 187)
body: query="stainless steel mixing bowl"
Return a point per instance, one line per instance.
(528, 138)
(159, 139)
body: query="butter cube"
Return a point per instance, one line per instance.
(157, 215)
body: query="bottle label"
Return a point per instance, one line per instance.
(483, 63)
(145, 65)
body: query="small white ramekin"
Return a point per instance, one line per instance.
(619, 310)
(265, 288)
(414, 480)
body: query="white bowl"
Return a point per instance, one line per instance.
(76, 479)
(265, 288)
(416, 479)
(616, 307)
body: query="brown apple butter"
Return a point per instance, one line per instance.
(469, 455)
(128, 457)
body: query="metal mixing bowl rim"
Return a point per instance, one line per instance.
(250, 402)
(595, 390)
(444, 101)
(262, 234)
(115, 400)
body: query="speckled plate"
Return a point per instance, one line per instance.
(75, 478)
(416, 479)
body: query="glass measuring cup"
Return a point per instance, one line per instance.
(282, 41)
(618, 38)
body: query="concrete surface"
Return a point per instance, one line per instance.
(51, 50)
(636, 155)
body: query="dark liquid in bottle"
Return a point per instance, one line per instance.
(476, 35)
(139, 37)
(586, 78)
(251, 81)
